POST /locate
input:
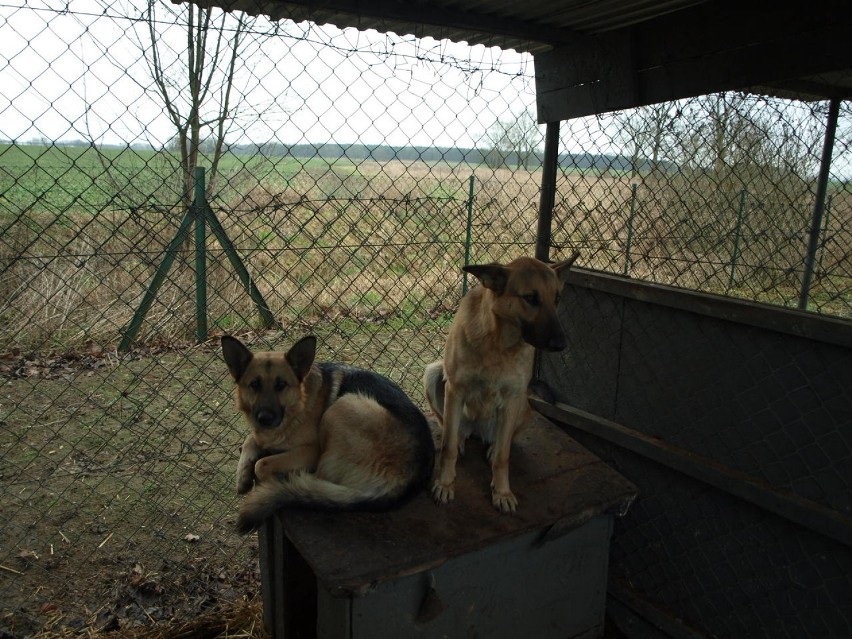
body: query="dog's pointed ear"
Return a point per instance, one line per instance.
(492, 276)
(564, 266)
(301, 356)
(236, 355)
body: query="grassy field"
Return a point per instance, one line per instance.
(83, 232)
(67, 180)
(321, 241)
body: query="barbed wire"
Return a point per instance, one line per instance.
(434, 51)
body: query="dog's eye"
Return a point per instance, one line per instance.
(531, 299)
(255, 384)
(280, 385)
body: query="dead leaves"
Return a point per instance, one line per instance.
(16, 364)
(144, 584)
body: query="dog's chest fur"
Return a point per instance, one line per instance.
(487, 389)
(485, 370)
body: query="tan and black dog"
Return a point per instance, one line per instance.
(480, 387)
(325, 436)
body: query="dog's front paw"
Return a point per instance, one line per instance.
(505, 502)
(245, 481)
(442, 493)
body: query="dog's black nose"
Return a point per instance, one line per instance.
(266, 418)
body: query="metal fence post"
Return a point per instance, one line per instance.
(822, 187)
(633, 189)
(267, 319)
(200, 212)
(157, 281)
(547, 201)
(199, 206)
(825, 226)
(737, 234)
(468, 232)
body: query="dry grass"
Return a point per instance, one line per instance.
(242, 620)
(239, 621)
(709, 235)
(374, 243)
(386, 240)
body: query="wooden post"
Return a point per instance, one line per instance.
(469, 228)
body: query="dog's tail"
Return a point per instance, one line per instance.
(434, 382)
(306, 490)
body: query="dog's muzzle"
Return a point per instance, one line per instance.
(267, 417)
(548, 340)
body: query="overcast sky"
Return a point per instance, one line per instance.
(77, 70)
(80, 73)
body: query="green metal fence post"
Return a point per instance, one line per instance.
(201, 213)
(157, 281)
(633, 189)
(247, 282)
(199, 205)
(468, 232)
(737, 234)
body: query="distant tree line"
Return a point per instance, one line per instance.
(384, 153)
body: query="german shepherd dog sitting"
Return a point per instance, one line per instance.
(325, 436)
(480, 387)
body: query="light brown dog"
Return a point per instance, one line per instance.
(480, 387)
(324, 435)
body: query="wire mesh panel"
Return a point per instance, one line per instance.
(345, 182)
(736, 432)
(718, 195)
(724, 568)
(715, 193)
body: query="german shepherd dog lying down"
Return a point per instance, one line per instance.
(323, 435)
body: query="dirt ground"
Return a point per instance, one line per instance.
(117, 513)
(118, 500)
(114, 515)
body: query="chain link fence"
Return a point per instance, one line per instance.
(715, 194)
(347, 178)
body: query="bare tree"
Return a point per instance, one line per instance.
(197, 91)
(735, 139)
(199, 79)
(514, 139)
(647, 131)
